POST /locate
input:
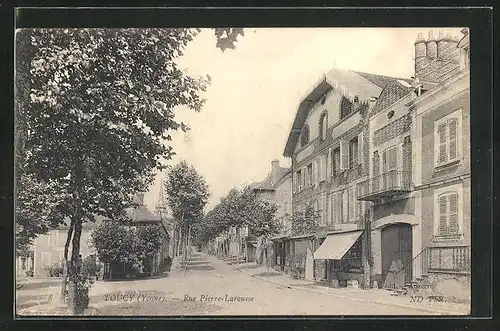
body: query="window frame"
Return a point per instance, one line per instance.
(457, 114)
(305, 132)
(323, 125)
(448, 191)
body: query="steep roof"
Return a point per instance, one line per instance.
(393, 91)
(349, 83)
(267, 184)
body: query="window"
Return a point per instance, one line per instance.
(309, 176)
(344, 155)
(447, 135)
(336, 162)
(345, 107)
(323, 125)
(304, 137)
(353, 152)
(299, 181)
(448, 214)
(389, 159)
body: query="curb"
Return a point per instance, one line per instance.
(444, 312)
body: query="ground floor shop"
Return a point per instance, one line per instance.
(339, 259)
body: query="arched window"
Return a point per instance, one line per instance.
(304, 137)
(345, 107)
(323, 125)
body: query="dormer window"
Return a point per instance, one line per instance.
(323, 125)
(304, 136)
(345, 107)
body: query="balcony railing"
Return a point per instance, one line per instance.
(449, 259)
(385, 185)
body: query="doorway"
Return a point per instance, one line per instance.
(397, 249)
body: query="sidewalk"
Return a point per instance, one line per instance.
(377, 296)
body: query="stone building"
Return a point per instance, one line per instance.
(418, 184)
(329, 155)
(442, 175)
(277, 188)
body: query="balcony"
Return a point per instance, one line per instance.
(389, 184)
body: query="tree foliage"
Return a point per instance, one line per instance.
(305, 222)
(239, 208)
(115, 242)
(227, 37)
(99, 113)
(187, 193)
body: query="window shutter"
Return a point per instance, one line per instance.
(344, 155)
(453, 213)
(329, 165)
(360, 148)
(442, 155)
(376, 164)
(352, 203)
(442, 215)
(345, 207)
(453, 140)
(322, 168)
(294, 185)
(315, 173)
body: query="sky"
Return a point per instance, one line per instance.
(256, 88)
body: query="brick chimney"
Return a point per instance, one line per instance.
(447, 47)
(431, 46)
(420, 53)
(275, 167)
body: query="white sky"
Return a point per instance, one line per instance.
(256, 89)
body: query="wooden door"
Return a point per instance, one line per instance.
(397, 247)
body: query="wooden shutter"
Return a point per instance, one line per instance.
(360, 148)
(442, 156)
(345, 207)
(344, 155)
(392, 158)
(329, 165)
(322, 168)
(453, 139)
(453, 227)
(352, 203)
(442, 208)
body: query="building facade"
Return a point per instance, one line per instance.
(329, 152)
(442, 177)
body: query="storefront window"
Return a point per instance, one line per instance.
(352, 262)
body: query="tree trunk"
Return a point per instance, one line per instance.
(74, 268)
(62, 298)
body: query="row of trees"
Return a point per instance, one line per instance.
(240, 208)
(187, 194)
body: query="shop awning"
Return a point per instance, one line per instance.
(336, 245)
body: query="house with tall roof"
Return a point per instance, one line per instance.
(328, 147)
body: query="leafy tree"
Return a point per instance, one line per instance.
(305, 222)
(227, 37)
(108, 239)
(101, 106)
(148, 241)
(36, 209)
(187, 194)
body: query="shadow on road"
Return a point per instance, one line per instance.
(200, 267)
(264, 274)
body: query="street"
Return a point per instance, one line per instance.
(213, 287)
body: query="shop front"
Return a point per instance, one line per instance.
(341, 254)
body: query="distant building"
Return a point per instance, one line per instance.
(277, 188)
(48, 250)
